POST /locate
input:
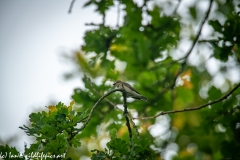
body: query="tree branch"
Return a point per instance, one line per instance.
(135, 127)
(193, 45)
(94, 89)
(92, 24)
(125, 113)
(194, 108)
(95, 105)
(199, 30)
(175, 10)
(118, 13)
(71, 6)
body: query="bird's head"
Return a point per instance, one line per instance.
(117, 83)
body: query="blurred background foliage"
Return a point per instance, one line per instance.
(149, 50)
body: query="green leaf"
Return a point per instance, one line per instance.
(193, 12)
(185, 95)
(7, 152)
(99, 156)
(118, 145)
(216, 25)
(113, 133)
(214, 93)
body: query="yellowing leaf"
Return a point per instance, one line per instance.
(179, 120)
(194, 119)
(185, 78)
(145, 126)
(52, 108)
(178, 104)
(71, 105)
(122, 131)
(184, 153)
(84, 64)
(119, 48)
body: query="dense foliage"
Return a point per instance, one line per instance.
(180, 56)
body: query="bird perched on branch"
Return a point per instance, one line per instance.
(130, 91)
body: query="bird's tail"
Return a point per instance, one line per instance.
(140, 97)
(144, 98)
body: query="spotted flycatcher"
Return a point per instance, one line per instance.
(130, 91)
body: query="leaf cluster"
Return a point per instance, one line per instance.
(118, 149)
(56, 130)
(228, 38)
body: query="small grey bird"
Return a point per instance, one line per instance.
(130, 91)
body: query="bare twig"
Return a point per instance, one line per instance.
(194, 108)
(104, 18)
(164, 90)
(110, 102)
(118, 13)
(208, 40)
(95, 105)
(135, 127)
(194, 43)
(175, 10)
(92, 24)
(199, 30)
(189, 51)
(125, 113)
(71, 6)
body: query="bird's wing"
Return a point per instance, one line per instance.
(128, 85)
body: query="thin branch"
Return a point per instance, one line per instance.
(208, 40)
(118, 13)
(83, 120)
(71, 6)
(135, 127)
(164, 90)
(189, 51)
(194, 43)
(200, 30)
(175, 10)
(92, 24)
(194, 108)
(103, 19)
(125, 113)
(94, 89)
(95, 105)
